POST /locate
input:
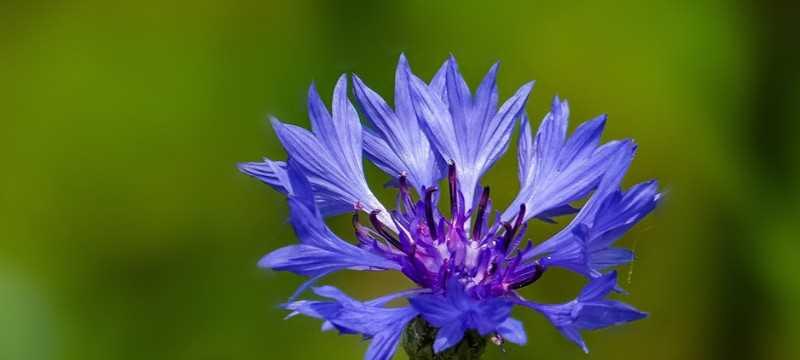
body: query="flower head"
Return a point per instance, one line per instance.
(467, 262)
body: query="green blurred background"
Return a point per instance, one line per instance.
(127, 233)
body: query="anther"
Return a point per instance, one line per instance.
(509, 235)
(537, 273)
(403, 180)
(355, 221)
(453, 181)
(429, 212)
(476, 230)
(381, 229)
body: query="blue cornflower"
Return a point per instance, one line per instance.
(466, 267)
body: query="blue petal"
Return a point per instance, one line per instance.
(490, 314)
(435, 309)
(589, 311)
(598, 288)
(383, 300)
(404, 108)
(486, 96)
(382, 325)
(448, 336)
(382, 155)
(320, 250)
(585, 245)
(555, 171)
(310, 260)
(330, 156)
(459, 101)
(340, 133)
(467, 130)
(496, 134)
(273, 173)
(537, 158)
(397, 144)
(574, 335)
(621, 211)
(511, 330)
(437, 85)
(583, 255)
(525, 154)
(435, 119)
(602, 314)
(619, 155)
(609, 257)
(384, 344)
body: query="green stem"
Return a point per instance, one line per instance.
(418, 343)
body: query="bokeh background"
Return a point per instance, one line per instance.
(126, 231)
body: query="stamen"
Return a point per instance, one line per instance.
(512, 266)
(444, 271)
(508, 231)
(517, 239)
(537, 273)
(476, 230)
(509, 235)
(429, 212)
(453, 181)
(362, 233)
(403, 182)
(381, 229)
(408, 242)
(355, 222)
(404, 194)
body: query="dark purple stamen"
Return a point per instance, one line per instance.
(404, 196)
(476, 229)
(509, 235)
(517, 239)
(355, 222)
(429, 212)
(535, 275)
(381, 229)
(444, 273)
(453, 181)
(403, 183)
(362, 234)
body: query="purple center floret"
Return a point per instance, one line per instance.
(433, 248)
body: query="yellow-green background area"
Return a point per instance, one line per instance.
(126, 231)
